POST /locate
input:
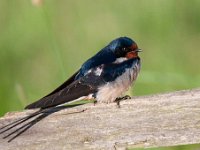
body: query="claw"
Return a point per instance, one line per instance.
(118, 99)
(126, 97)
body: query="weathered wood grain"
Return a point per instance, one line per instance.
(145, 121)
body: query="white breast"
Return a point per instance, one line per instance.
(109, 92)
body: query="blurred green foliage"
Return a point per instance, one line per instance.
(181, 147)
(41, 46)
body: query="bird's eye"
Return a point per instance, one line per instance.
(125, 49)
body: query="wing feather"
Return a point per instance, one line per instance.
(85, 85)
(82, 87)
(65, 84)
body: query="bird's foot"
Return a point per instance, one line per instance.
(118, 99)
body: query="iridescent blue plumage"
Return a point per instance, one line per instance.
(106, 55)
(118, 61)
(105, 77)
(112, 71)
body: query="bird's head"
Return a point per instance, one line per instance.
(124, 47)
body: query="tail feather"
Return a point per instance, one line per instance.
(18, 122)
(68, 94)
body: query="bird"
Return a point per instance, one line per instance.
(104, 77)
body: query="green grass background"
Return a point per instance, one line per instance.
(40, 47)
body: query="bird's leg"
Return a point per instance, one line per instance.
(95, 102)
(93, 98)
(118, 99)
(118, 102)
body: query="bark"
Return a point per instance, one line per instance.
(145, 121)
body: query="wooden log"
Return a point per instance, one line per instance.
(146, 121)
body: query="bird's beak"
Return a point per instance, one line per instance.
(138, 50)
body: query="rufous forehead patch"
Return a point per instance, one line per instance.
(134, 47)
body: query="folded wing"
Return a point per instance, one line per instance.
(88, 84)
(81, 87)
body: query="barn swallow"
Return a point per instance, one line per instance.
(104, 77)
